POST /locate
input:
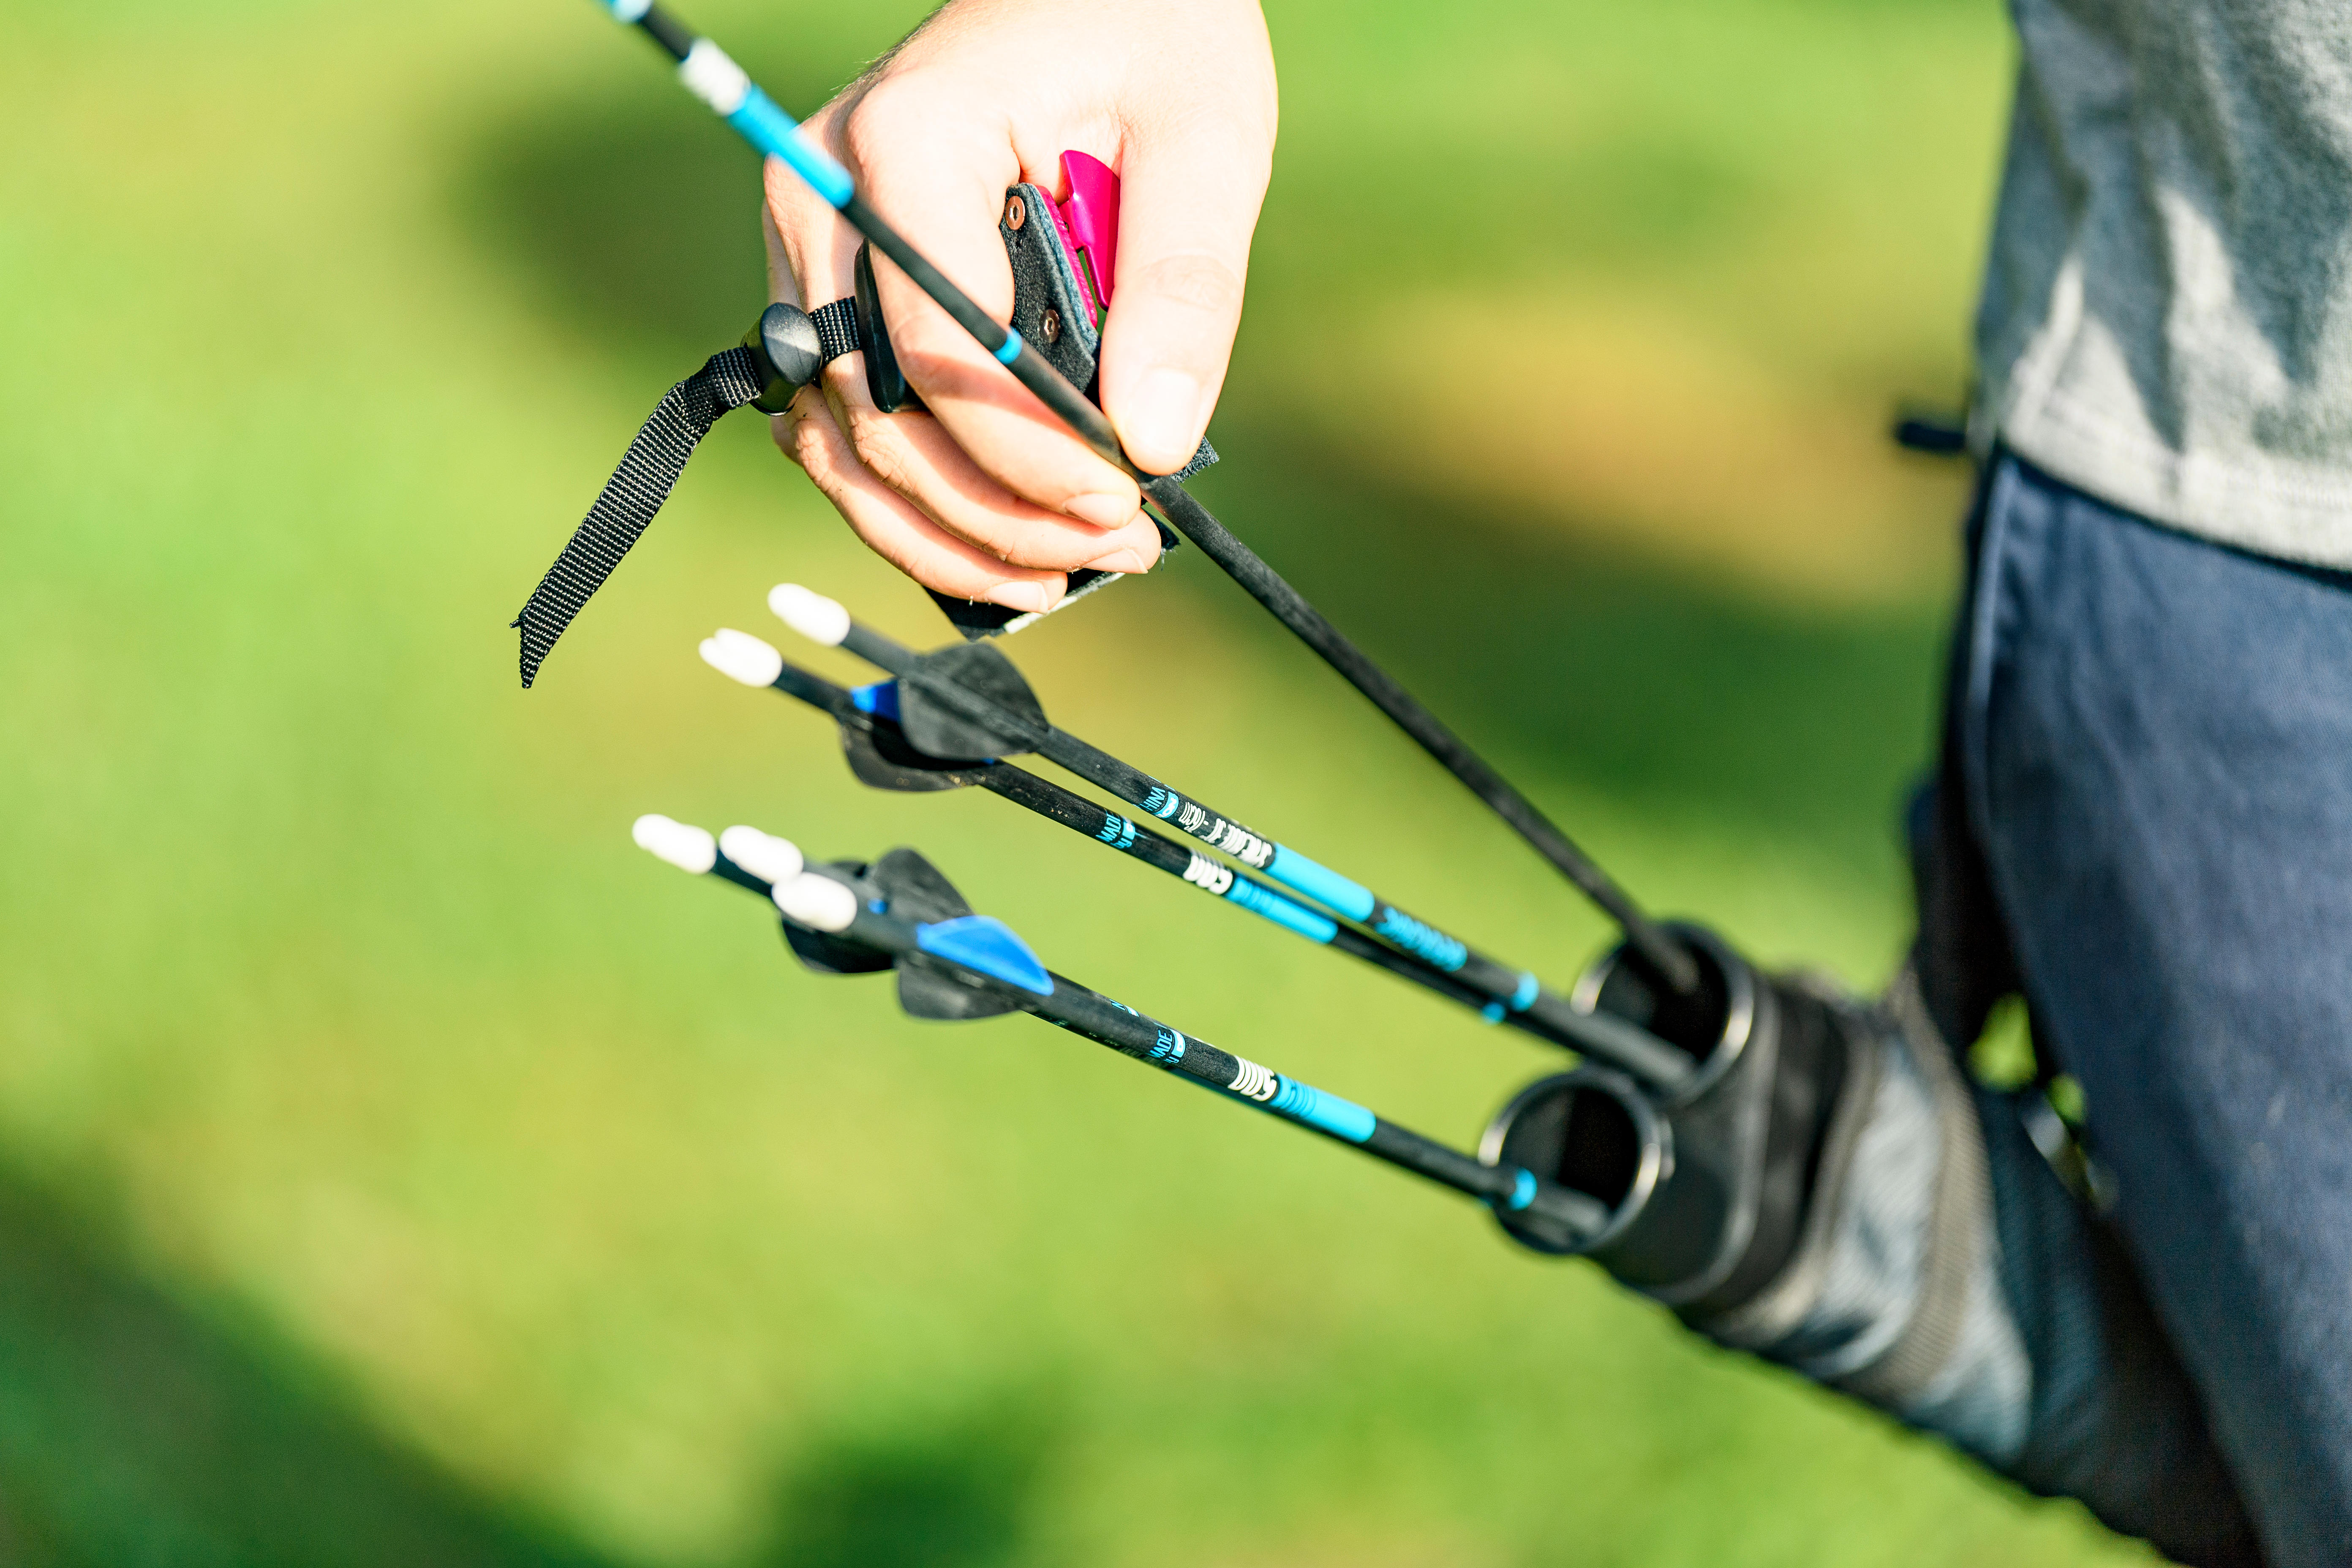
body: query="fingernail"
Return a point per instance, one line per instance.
(1163, 410)
(1103, 511)
(1120, 561)
(1029, 598)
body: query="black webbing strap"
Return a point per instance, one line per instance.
(836, 329)
(631, 497)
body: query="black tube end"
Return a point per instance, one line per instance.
(1589, 1131)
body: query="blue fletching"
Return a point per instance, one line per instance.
(988, 946)
(881, 700)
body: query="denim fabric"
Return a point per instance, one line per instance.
(2143, 824)
(2155, 738)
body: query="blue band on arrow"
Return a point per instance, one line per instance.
(1523, 1190)
(1282, 911)
(1010, 349)
(1341, 1117)
(774, 132)
(1320, 883)
(881, 700)
(1422, 941)
(1525, 996)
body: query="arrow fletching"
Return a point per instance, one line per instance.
(879, 757)
(967, 702)
(916, 891)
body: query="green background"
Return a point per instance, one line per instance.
(396, 1166)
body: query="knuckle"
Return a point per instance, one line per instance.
(785, 432)
(879, 448)
(804, 433)
(1195, 279)
(888, 116)
(804, 445)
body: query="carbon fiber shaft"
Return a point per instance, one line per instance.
(773, 133)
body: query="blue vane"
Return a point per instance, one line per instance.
(987, 945)
(881, 700)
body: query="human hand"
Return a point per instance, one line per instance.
(987, 495)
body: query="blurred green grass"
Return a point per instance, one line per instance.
(400, 1167)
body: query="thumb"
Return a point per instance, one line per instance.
(1188, 197)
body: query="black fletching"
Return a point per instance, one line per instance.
(914, 891)
(879, 757)
(966, 703)
(926, 991)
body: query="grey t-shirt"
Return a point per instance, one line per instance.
(2167, 319)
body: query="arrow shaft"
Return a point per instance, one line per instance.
(1268, 587)
(1093, 1017)
(1083, 817)
(1097, 1017)
(1546, 1014)
(1506, 989)
(720, 82)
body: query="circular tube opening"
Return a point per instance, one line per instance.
(1711, 1023)
(1601, 1148)
(1590, 1131)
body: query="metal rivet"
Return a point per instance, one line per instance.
(1016, 213)
(1052, 326)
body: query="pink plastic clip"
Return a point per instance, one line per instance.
(1089, 222)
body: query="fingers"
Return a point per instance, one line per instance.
(935, 161)
(922, 463)
(1190, 186)
(811, 253)
(988, 495)
(908, 485)
(896, 530)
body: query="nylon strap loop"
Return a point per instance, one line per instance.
(631, 497)
(836, 329)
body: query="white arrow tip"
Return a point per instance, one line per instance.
(740, 656)
(817, 902)
(765, 856)
(683, 846)
(811, 614)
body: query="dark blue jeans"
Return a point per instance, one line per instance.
(2147, 810)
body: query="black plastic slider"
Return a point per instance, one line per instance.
(786, 352)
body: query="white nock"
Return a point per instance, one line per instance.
(683, 846)
(815, 617)
(765, 856)
(817, 902)
(740, 656)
